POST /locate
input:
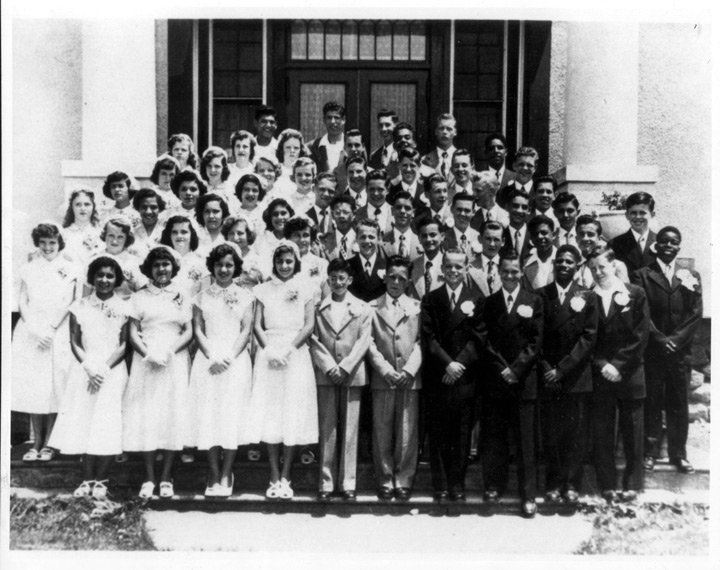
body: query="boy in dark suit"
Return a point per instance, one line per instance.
(569, 335)
(426, 271)
(451, 333)
(401, 240)
(514, 320)
(566, 209)
(410, 178)
(326, 150)
(386, 121)
(675, 299)
(460, 234)
(440, 158)
(618, 376)
(462, 168)
(340, 241)
(436, 193)
(354, 147)
(633, 247)
(368, 265)
(320, 214)
(516, 234)
(496, 154)
(377, 207)
(525, 165)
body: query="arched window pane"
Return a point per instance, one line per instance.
(418, 51)
(401, 41)
(350, 40)
(332, 40)
(367, 40)
(298, 41)
(315, 40)
(384, 40)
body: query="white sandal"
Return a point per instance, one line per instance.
(147, 490)
(100, 490)
(166, 490)
(273, 491)
(84, 489)
(285, 493)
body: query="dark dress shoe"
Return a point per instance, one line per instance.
(629, 495)
(553, 495)
(528, 509)
(571, 495)
(491, 496)
(323, 496)
(610, 496)
(649, 463)
(385, 494)
(457, 496)
(402, 494)
(349, 495)
(440, 496)
(683, 465)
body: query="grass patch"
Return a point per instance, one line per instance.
(59, 523)
(648, 529)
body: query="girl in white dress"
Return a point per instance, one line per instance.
(214, 170)
(155, 401)
(179, 234)
(163, 173)
(151, 207)
(278, 212)
(118, 192)
(291, 146)
(182, 148)
(90, 418)
(221, 377)
(283, 406)
(269, 169)
(239, 231)
(250, 194)
(243, 145)
(301, 231)
(188, 186)
(40, 345)
(210, 212)
(118, 238)
(81, 232)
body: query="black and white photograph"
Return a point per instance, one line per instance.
(405, 285)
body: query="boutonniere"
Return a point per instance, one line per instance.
(195, 274)
(314, 271)
(420, 250)
(178, 301)
(127, 274)
(355, 248)
(441, 277)
(577, 303)
(381, 273)
(476, 247)
(231, 300)
(622, 298)
(62, 273)
(450, 223)
(352, 311)
(112, 314)
(525, 311)
(135, 221)
(468, 307)
(686, 279)
(91, 243)
(292, 295)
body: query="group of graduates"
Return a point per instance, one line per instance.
(475, 310)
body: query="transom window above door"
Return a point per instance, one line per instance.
(358, 40)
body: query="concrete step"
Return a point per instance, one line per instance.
(65, 472)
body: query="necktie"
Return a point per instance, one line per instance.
(518, 245)
(668, 274)
(396, 309)
(497, 174)
(378, 211)
(490, 275)
(562, 296)
(567, 238)
(487, 216)
(641, 244)
(385, 155)
(443, 168)
(428, 276)
(323, 219)
(463, 242)
(453, 300)
(367, 267)
(509, 303)
(343, 247)
(402, 248)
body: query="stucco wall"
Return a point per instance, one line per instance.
(675, 132)
(558, 67)
(47, 120)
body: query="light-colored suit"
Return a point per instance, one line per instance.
(480, 276)
(343, 345)
(392, 247)
(417, 279)
(395, 346)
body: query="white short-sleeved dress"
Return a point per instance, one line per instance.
(283, 406)
(92, 423)
(82, 243)
(219, 403)
(314, 269)
(130, 266)
(192, 273)
(39, 375)
(155, 402)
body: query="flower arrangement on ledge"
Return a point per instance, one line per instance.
(614, 200)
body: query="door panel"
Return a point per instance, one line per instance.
(312, 98)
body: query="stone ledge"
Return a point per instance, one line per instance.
(606, 174)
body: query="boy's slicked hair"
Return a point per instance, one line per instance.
(404, 126)
(435, 178)
(587, 219)
(402, 195)
(509, 255)
(568, 248)
(455, 251)
(462, 196)
(540, 220)
(600, 250)
(515, 192)
(379, 174)
(343, 199)
(640, 199)
(564, 198)
(265, 111)
(444, 117)
(339, 264)
(398, 261)
(333, 106)
(326, 176)
(368, 223)
(463, 152)
(547, 179)
(388, 113)
(527, 151)
(495, 136)
(353, 133)
(492, 225)
(411, 153)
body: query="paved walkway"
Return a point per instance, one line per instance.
(421, 535)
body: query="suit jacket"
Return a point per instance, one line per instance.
(451, 336)
(531, 280)
(319, 155)
(375, 162)
(390, 246)
(569, 336)
(312, 214)
(479, 276)
(331, 248)
(395, 342)
(622, 337)
(363, 212)
(626, 250)
(513, 340)
(417, 279)
(418, 197)
(432, 160)
(675, 308)
(526, 248)
(507, 177)
(422, 211)
(497, 214)
(345, 345)
(450, 241)
(503, 195)
(368, 287)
